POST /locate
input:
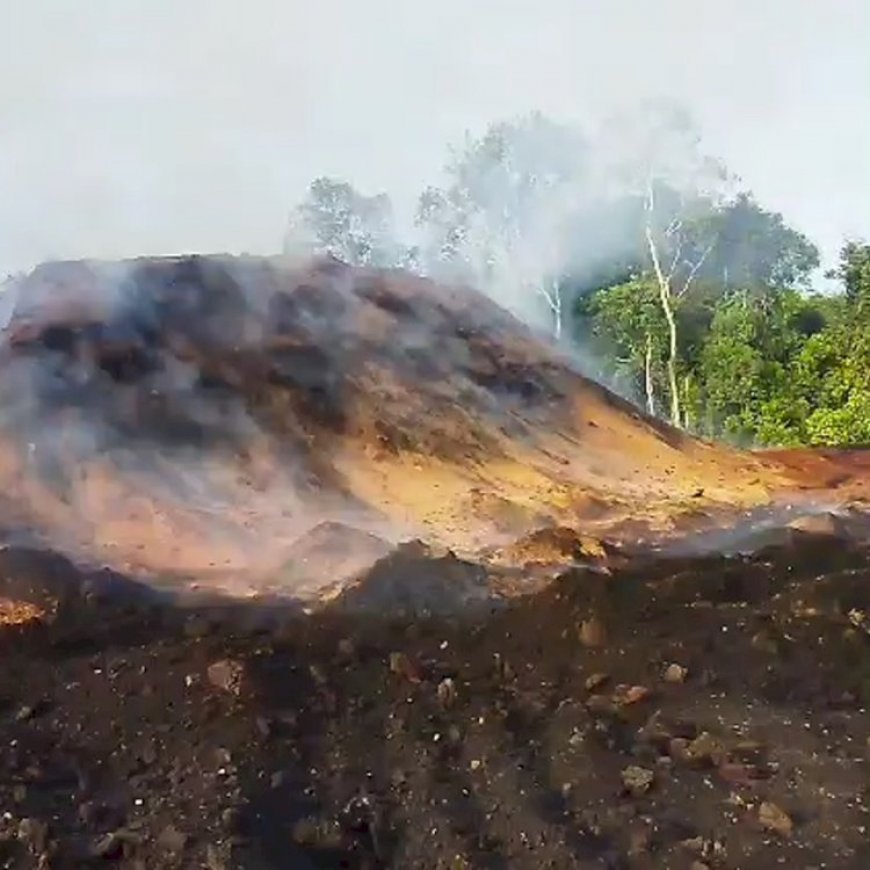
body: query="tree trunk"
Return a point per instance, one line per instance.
(648, 380)
(687, 383)
(553, 297)
(557, 314)
(668, 309)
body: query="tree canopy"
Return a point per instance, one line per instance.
(634, 244)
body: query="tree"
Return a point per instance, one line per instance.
(336, 219)
(500, 220)
(854, 272)
(627, 326)
(695, 241)
(754, 248)
(834, 367)
(656, 157)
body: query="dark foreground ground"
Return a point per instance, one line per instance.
(561, 732)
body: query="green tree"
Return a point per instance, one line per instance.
(754, 249)
(834, 367)
(628, 330)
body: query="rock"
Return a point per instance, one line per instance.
(592, 633)
(817, 524)
(19, 793)
(705, 750)
(31, 711)
(227, 675)
(637, 781)
(446, 692)
(625, 696)
(698, 845)
(774, 818)
(596, 681)
(277, 779)
(675, 673)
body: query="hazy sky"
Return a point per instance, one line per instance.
(160, 126)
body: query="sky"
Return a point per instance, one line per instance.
(133, 127)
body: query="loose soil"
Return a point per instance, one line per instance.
(678, 712)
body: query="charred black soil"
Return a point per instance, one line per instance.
(707, 711)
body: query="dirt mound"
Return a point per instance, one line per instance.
(191, 419)
(330, 550)
(557, 545)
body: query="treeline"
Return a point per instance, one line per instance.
(641, 250)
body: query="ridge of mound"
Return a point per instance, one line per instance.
(246, 422)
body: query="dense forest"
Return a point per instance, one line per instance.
(647, 260)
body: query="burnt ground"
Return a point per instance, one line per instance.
(679, 713)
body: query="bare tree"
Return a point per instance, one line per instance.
(649, 385)
(551, 292)
(674, 282)
(658, 149)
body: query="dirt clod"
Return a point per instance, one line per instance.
(227, 675)
(675, 673)
(596, 681)
(637, 781)
(705, 750)
(592, 633)
(774, 818)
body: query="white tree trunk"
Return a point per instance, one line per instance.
(552, 294)
(666, 299)
(557, 314)
(648, 379)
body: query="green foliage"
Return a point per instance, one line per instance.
(760, 365)
(626, 326)
(755, 249)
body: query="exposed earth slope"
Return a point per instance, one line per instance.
(206, 420)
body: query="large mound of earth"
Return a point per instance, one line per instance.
(250, 424)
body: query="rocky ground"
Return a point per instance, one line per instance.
(685, 713)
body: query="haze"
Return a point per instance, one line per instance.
(152, 126)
